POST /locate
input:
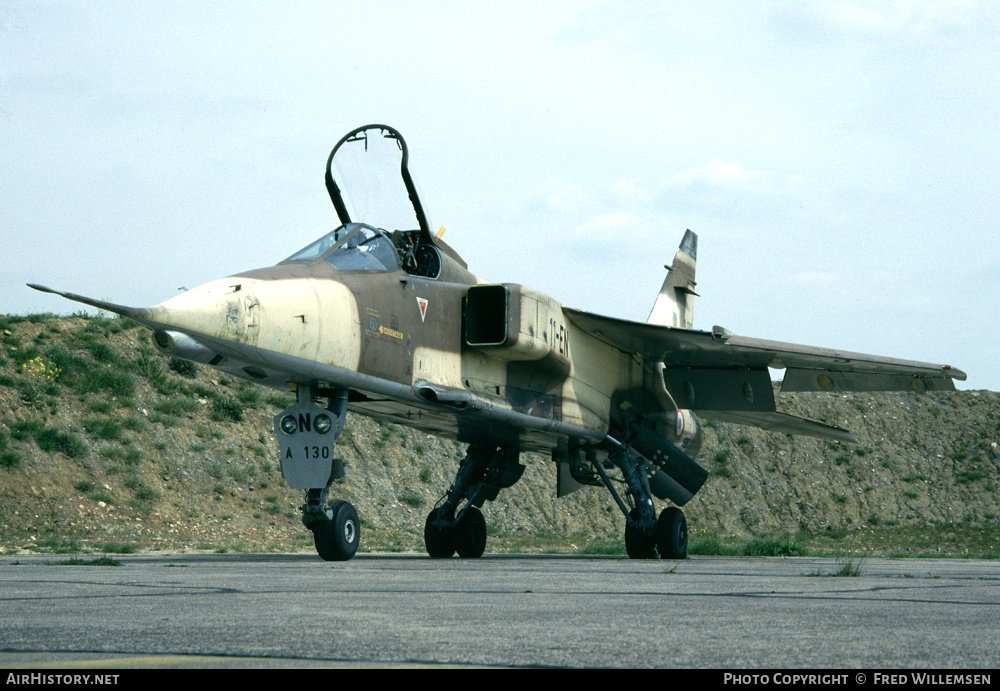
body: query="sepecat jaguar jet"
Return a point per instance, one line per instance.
(382, 318)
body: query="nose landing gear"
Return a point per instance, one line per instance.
(338, 534)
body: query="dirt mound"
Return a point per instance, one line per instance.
(104, 442)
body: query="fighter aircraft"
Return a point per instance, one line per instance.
(382, 318)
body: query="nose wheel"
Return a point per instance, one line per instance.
(337, 538)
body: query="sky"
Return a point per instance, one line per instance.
(838, 160)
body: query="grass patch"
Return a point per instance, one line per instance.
(58, 546)
(185, 368)
(101, 496)
(242, 474)
(49, 439)
(707, 543)
(412, 500)
(103, 428)
(149, 365)
(99, 561)
(136, 424)
(279, 401)
(226, 409)
(846, 567)
(83, 377)
(145, 493)
(118, 548)
(165, 420)
(112, 453)
(249, 395)
(176, 405)
(100, 406)
(773, 547)
(967, 476)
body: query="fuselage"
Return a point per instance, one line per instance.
(332, 318)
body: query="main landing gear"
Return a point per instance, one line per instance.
(667, 540)
(646, 535)
(485, 470)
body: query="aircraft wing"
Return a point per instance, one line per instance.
(726, 375)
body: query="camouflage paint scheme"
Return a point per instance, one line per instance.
(421, 341)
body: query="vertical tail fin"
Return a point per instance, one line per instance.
(674, 305)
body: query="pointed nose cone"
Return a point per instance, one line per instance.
(314, 319)
(219, 309)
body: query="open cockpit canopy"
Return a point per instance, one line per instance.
(368, 181)
(383, 226)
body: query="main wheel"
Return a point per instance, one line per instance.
(440, 542)
(470, 534)
(672, 534)
(337, 539)
(637, 545)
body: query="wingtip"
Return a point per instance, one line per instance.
(954, 373)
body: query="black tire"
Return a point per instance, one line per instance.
(440, 542)
(470, 534)
(637, 545)
(672, 534)
(337, 539)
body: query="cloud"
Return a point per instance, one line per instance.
(717, 173)
(559, 194)
(606, 238)
(626, 191)
(728, 192)
(918, 18)
(616, 223)
(813, 279)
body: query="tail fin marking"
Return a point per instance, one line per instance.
(674, 305)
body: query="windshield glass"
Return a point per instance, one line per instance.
(365, 250)
(319, 248)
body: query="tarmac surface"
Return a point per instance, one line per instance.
(407, 610)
